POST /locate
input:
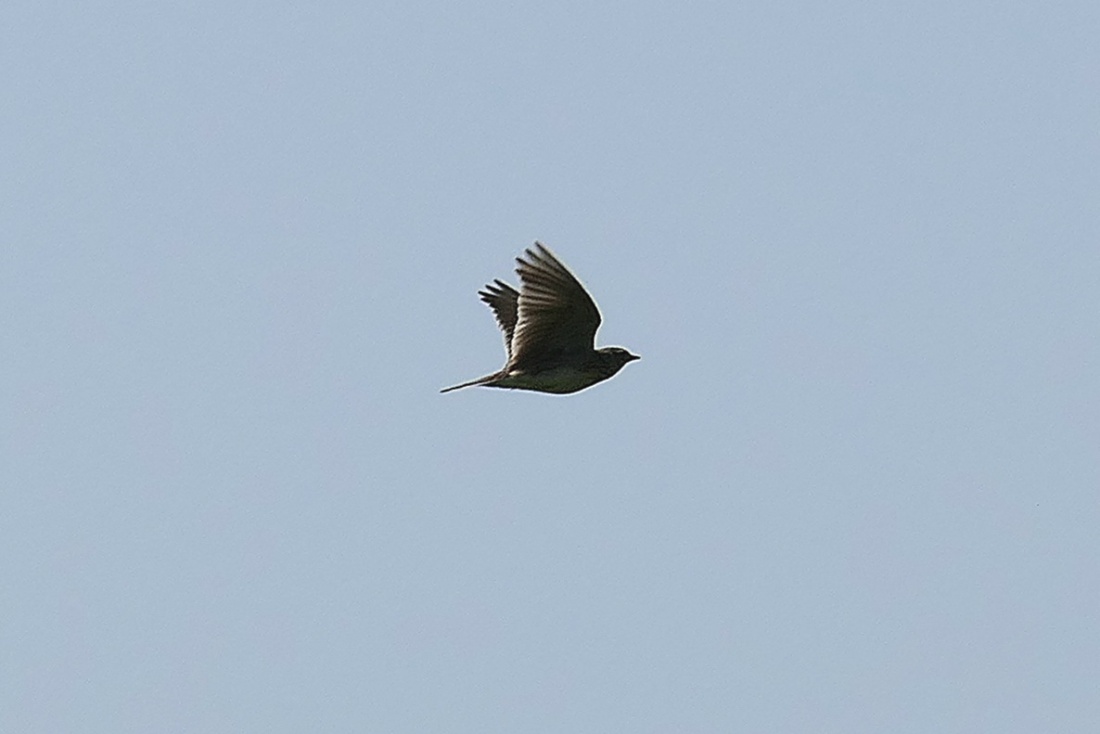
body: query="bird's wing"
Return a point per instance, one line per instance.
(502, 298)
(556, 314)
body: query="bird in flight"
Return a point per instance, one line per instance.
(549, 330)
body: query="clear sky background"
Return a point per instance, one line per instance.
(852, 486)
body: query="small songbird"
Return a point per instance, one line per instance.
(549, 330)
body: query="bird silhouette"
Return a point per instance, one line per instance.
(549, 330)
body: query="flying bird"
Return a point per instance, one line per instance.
(549, 330)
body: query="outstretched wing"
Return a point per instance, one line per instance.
(502, 298)
(556, 316)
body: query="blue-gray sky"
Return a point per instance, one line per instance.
(852, 486)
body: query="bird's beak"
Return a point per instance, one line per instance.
(633, 357)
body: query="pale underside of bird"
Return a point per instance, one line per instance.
(549, 330)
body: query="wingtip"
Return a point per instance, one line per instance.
(538, 253)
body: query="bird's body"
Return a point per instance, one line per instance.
(549, 330)
(563, 377)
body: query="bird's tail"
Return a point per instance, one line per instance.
(479, 381)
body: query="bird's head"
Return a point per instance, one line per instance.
(613, 358)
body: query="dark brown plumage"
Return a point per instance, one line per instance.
(549, 330)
